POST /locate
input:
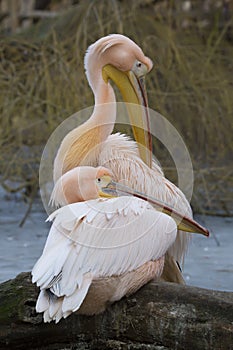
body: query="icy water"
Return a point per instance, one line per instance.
(209, 262)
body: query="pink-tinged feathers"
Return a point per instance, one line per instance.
(77, 185)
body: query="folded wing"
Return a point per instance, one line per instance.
(95, 239)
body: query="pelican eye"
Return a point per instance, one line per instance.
(103, 181)
(139, 69)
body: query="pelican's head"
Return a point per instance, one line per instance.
(80, 184)
(117, 58)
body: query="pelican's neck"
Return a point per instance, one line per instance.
(83, 144)
(104, 113)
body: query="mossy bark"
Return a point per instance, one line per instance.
(160, 316)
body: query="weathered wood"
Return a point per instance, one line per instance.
(159, 316)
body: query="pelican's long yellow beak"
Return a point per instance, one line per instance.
(133, 91)
(114, 189)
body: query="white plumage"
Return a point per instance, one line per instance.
(96, 239)
(120, 154)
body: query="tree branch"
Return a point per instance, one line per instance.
(159, 316)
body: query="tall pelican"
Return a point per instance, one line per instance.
(116, 58)
(119, 241)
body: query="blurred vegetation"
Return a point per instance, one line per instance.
(42, 82)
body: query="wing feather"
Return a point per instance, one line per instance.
(95, 239)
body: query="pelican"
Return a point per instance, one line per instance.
(97, 236)
(116, 58)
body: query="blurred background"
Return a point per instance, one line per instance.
(42, 82)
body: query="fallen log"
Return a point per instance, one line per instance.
(160, 316)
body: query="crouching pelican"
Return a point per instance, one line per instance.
(100, 247)
(116, 58)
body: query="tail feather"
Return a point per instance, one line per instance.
(42, 303)
(46, 316)
(58, 316)
(56, 307)
(73, 302)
